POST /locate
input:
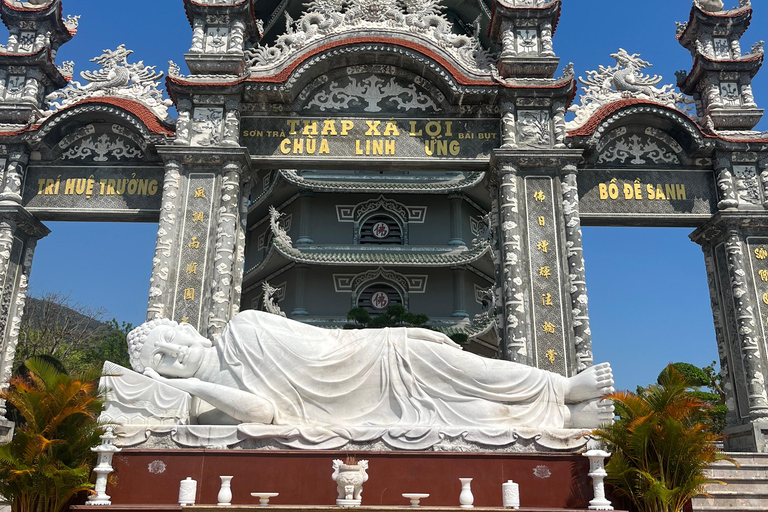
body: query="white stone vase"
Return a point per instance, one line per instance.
(510, 494)
(225, 493)
(349, 480)
(187, 491)
(466, 499)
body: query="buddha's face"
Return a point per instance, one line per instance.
(174, 351)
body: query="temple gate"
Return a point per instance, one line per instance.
(451, 178)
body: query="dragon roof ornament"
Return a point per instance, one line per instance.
(622, 81)
(422, 18)
(116, 79)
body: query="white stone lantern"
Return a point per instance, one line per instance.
(597, 473)
(106, 451)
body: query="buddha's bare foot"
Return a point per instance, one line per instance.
(592, 383)
(591, 414)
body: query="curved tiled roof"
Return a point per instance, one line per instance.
(144, 114)
(601, 115)
(342, 256)
(467, 180)
(356, 255)
(457, 75)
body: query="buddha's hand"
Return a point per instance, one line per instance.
(152, 374)
(189, 385)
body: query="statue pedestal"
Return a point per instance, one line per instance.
(6, 430)
(547, 481)
(751, 438)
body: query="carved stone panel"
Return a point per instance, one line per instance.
(89, 192)
(338, 140)
(207, 123)
(623, 196)
(731, 330)
(371, 93)
(534, 128)
(100, 144)
(747, 186)
(548, 304)
(193, 266)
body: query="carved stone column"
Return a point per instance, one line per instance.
(228, 225)
(197, 272)
(301, 282)
(19, 233)
(728, 198)
(14, 174)
(242, 229)
(576, 274)
(305, 214)
(735, 246)
(515, 346)
(459, 293)
(455, 201)
(735, 249)
(160, 284)
(546, 322)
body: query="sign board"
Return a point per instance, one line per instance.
(646, 197)
(339, 140)
(93, 193)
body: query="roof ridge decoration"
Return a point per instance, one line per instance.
(623, 81)
(116, 79)
(323, 18)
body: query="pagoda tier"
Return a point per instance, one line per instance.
(721, 78)
(28, 72)
(335, 240)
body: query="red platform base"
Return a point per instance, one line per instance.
(546, 481)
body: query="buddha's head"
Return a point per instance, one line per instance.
(169, 348)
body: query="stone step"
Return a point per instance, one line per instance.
(732, 500)
(717, 508)
(745, 471)
(742, 483)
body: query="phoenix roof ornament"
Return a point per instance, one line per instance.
(622, 81)
(116, 79)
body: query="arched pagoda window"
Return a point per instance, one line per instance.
(377, 297)
(381, 229)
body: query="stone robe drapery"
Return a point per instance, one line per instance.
(382, 378)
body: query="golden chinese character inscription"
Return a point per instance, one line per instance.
(546, 299)
(543, 246)
(542, 221)
(548, 327)
(551, 356)
(189, 294)
(192, 268)
(198, 216)
(545, 272)
(200, 192)
(195, 243)
(540, 196)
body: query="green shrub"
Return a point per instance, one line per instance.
(49, 459)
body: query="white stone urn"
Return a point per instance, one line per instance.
(466, 498)
(349, 480)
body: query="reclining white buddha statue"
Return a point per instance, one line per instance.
(268, 370)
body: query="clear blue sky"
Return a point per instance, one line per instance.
(649, 301)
